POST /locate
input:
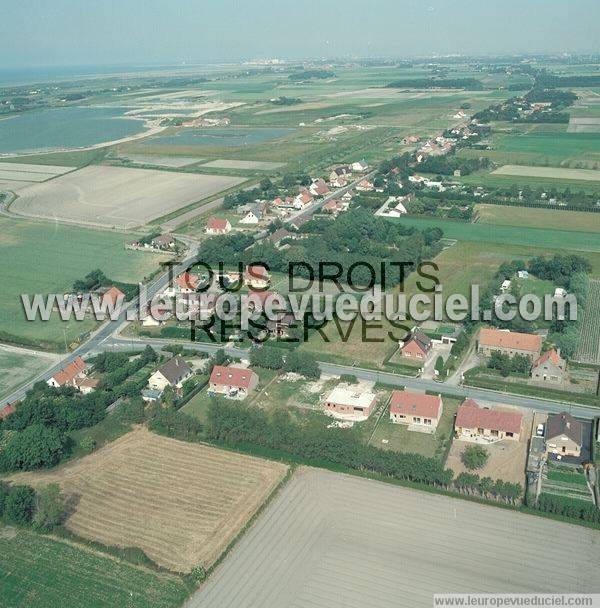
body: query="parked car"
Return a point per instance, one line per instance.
(539, 431)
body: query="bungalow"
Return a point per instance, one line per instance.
(359, 166)
(417, 410)
(417, 346)
(509, 343)
(173, 373)
(478, 424)
(350, 402)
(217, 225)
(256, 276)
(564, 435)
(318, 188)
(232, 382)
(550, 367)
(67, 376)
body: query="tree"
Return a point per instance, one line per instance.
(474, 457)
(267, 357)
(87, 444)
(49, 508)
(19, 505)
(33, 448)
(302, 363)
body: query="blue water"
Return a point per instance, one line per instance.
(219, 137)
(73, 127)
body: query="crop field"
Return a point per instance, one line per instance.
(163, 161)
(117, 196)
(241, 164)
(22, 172)
(57, 255)
(589, 342)
(17, 366)
(39, 571)
(331, 541)
(510, 235)
(556, 173)
(530, 217)
(181, 503)
(584, 125)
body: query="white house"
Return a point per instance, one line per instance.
(173, 373)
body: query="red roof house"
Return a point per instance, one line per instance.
(416, 409)
(217, 225)
(68, 375)
(7, 411)
(476, 423)
(232, 382)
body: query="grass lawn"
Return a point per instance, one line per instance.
(45, 573)
(46, 258)
(18, 366)
(400, 439)
(551, 219)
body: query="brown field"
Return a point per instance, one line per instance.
(117, 196)
(548, 172)
(181, 503)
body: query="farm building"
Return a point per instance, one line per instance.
(550, 367)
(68, 375)
(217, 225)
(509, 343)
(232, 382)
(173, 373)
(479, 424)
(564, 435)
(419, 411)
(417, 346)
(350, 402)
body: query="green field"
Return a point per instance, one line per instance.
(549, 219)
(41, 572)
(46, 258)
(16, 367)
(510, 235)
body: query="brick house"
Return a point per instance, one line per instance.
(564, 435)
(550, 367)
(510, 343)
(232, 382)
(417, 346)
(416, 409)
(475, 423)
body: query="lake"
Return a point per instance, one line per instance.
(58, 128)
(219, 137)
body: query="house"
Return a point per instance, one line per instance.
(339, 172)
(509, 343)
(164, 242)
(359, 167)
(111, 295)
(479, 424)
(347, 196)
(279, 235)
(303, 200)
(564, 435)
(7, 411)
(417, 346)
(505, 287)
(232, 382)
(173, 373)
(559, 292)
(187, 283)
(338, 182)
(365, 186)
(253, 215)
(217, 225)
(334, 206)
(523, 274)
(417, 410)
(410, 139)
(67, 376)
(350, 401)
(86, 385)
(280, 327)
(318, 188)
(550, 367)
(256, 276)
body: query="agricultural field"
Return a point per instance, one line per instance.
(332, 541)
(566, 481)
(241, 164)
(589, 343)
(529, 217)
(19, 365)
(555, 173)
(116, 196)
(180, 503)
(59, 255)
(43, 572)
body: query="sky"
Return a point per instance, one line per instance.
(107, 32)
